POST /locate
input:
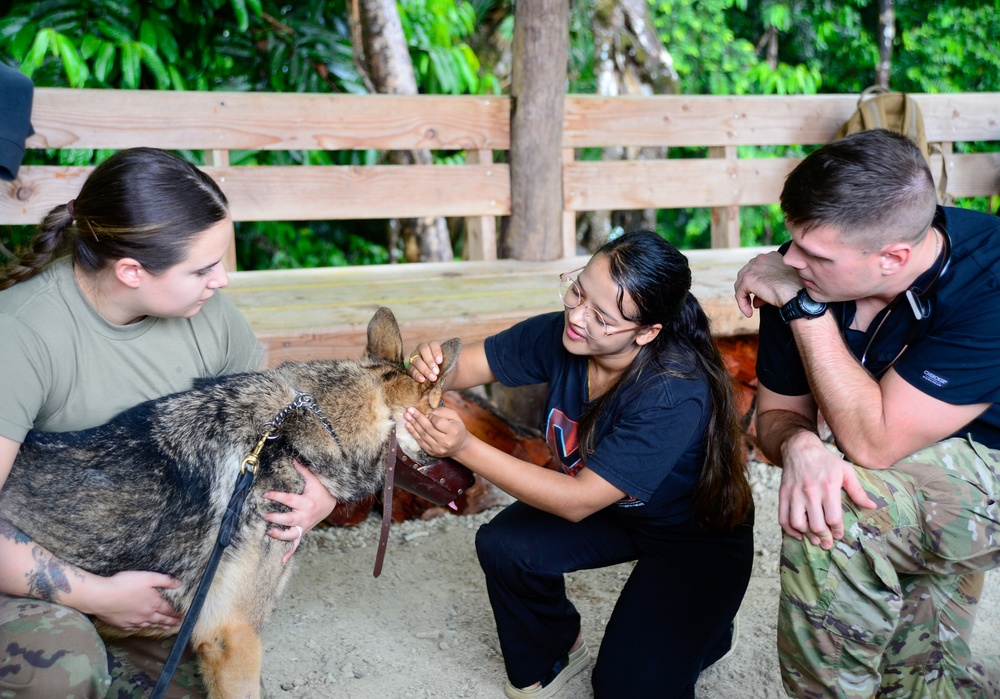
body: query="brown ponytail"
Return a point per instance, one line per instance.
(52, 240)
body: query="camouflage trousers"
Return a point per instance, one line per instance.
(48, 650)
(889, 610)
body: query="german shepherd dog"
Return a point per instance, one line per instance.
(148, 490)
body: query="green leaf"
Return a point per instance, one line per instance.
(176, 79)
(152, 61)
(131, 66)
(105, 62)
(113, 30)
(166, 43)
(75, 67)
(36, 55)
(466, 69)
(443, 71)
(21, 43)
(90, 46)
(148, 34)
(242, 17)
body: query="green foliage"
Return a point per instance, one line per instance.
(718, 47)
(207, 45)
(292, 245)
(436, 31)
(711, 58)
(582, 63)
(939, 47)
(948, 49)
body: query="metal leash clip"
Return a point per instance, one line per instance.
(252, 460)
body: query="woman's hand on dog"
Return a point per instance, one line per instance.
(425, 362)
(131, 600)
(306, 510)
(441, 433)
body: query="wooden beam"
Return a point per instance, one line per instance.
(704, 120)
(175, 120)
(710, 182)
(302, 193)
(675, 183)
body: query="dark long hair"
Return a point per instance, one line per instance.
(142, 203)
(657, 278)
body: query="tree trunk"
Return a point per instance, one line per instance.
(538, 85)
(631, 60)
(886, 36)
(386, 65)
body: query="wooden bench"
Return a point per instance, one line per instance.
(323, 312)
(311, 314)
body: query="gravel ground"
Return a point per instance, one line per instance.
(424, 628)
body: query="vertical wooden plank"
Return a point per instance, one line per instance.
(220, 158)
(537, 94)
(568, 216)
(725, 219)
(480, 231)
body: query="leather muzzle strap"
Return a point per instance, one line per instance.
(387, 489)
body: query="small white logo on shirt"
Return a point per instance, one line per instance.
(934, 379)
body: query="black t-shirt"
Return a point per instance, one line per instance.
(649, 443)
(954, 355)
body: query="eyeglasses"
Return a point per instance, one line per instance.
(594, 323)
(919, 304)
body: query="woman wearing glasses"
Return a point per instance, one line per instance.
(640, 414)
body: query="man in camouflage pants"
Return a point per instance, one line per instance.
(882, 315)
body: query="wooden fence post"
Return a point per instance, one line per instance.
(541, 50)
(220, 159)
(726, 219)
(480, 231)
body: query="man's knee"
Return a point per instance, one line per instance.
(836, 614)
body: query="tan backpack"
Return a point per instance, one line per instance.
(879, 108)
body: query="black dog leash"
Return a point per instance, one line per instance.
(248, 469)
(230, 519)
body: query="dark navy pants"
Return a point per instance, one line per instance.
(671, 620)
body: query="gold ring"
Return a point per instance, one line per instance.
(413, 357)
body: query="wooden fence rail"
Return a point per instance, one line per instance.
(219, 123)
(300, 314)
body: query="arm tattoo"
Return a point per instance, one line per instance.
(11, 533)
(50, 577)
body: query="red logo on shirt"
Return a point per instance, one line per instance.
(562, 437)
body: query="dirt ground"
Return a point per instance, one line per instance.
(424, 630)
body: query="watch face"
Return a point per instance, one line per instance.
(811, 306)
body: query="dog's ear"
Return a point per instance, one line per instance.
(450, 349)
(384, 338)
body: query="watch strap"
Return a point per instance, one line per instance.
(791, 310)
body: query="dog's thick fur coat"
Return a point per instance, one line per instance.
(148, 490)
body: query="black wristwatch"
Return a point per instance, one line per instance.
(802, 306)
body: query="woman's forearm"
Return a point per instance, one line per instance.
(29, 570)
